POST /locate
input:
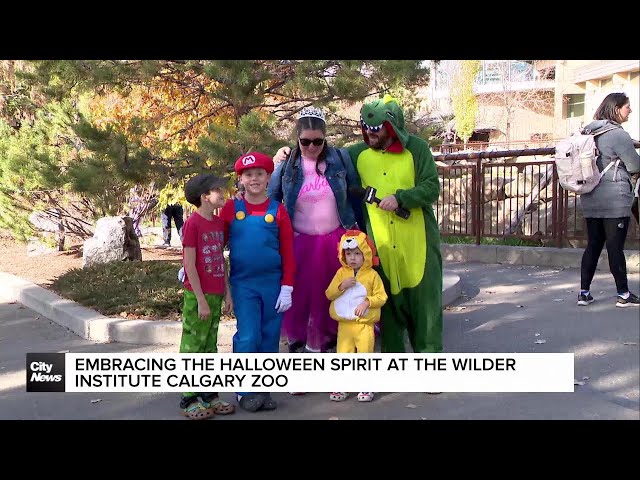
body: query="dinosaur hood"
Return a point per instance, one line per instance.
(355, 238)
(384, 112)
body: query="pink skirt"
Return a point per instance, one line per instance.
(308, 322)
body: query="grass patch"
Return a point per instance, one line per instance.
(148, 289)
(510, 241)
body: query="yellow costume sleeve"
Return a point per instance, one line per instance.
(378, 296)
(333, 291)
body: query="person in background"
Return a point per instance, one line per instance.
(607, 208)
(176, 212)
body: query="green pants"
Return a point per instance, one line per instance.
(199, 336)
(417, 310)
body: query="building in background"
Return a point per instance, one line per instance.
(522, 101)
(582, 84)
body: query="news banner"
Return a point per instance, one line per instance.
(288, 372)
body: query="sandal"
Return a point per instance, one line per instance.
(221, 408)
(338, 396)
(365, 397)
(197, 411)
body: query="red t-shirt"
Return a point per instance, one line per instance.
(285, 233)
(208, 238)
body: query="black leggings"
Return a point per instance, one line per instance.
(613, 232)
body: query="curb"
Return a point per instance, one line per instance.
(84, 321)
(540, 256)
(451, 288)
(98, 328)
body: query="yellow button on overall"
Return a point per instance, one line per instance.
(240, 215)
(269, 218)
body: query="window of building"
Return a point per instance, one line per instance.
(575, 105)
(494, 71)
(500, 71)
(521, 71)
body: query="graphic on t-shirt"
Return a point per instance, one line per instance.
(314, 190)
(212, 255)
(315, 211)
(206, 237)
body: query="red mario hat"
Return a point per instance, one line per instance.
(254, 160)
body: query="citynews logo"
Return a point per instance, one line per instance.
(45, 372)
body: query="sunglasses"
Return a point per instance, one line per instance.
(305, 142)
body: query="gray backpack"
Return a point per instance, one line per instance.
(575, 160)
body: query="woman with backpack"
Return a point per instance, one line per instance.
(313, 183)
(607, 208)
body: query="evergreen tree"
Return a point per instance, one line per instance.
(102, 126)
(243, 103)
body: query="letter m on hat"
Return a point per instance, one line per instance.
(248, 160)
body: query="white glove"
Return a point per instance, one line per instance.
(284, 299)
(181, 274)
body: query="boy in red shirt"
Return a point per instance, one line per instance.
(205, 284)
(262, 266)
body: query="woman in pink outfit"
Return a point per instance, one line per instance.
(313, 182)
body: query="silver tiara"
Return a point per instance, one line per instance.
(312, 112)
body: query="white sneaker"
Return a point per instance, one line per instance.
(365, 397)
(631, 301)
(338, 396)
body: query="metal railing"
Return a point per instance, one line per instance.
(485, 197)
(446, 148)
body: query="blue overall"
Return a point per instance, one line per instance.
(256, 273)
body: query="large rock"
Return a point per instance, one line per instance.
(459, 190)
(541, 220)
(113, 240)
(456, 190)
(522, 184)
(497, 215)
(36, 248)
(43, 222)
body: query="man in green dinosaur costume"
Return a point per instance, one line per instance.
(401, 167)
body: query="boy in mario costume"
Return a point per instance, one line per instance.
(357, 294)
(262, 266)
